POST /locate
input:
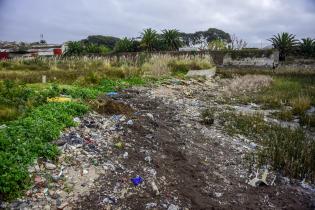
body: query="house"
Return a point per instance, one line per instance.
(31, 50)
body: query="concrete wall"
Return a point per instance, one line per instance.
(260, 60)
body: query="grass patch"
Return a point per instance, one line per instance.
(300, 104)
(284, 114)
(30, 137)
(287, 150)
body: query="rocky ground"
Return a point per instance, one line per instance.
(156, 135)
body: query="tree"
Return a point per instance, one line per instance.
(204, 37)
(94, 49)
(127, 45)
(108, 41)
(149, 39)
(74, 48)
(237, 43)
(217, 44)
(307, 47)
(172, 39)
(283, 42)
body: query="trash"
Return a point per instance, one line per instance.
(259, 182)
(125, 155)
(59, 99)
(150, 116)
(137, 180)
(50, 166)
(119, 145)
(76, 119)
(150, 205)
(116, 117)
(110, 94)
(129, 122)
(3, 126)
(218, 195)
(253, 145)
(155, 188)
(173, 207)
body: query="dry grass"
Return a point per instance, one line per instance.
(161, 65)
(300, 104)
(244, 84)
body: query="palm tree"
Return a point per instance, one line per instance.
(307, 46)
(172, 39)
(149, 39)
(284, 42)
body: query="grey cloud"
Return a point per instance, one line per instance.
(62, 20)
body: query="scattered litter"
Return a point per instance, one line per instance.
(150, 205)
(137, 180)
(3, 126)
(110, 94)
(155, 188)
(259, 182)
(129, 122)
(173, 207)
(150, 116)
(119, 145)
(125, 155)
(59, 99)
(218, 195)
(76, 119)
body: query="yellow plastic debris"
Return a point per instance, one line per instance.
(59, 99)
(119, 145)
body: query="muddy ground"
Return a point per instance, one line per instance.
(157, 133)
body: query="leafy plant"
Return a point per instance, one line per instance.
(172, 39)
(149, 39)
(30, 137)
(284, 42)
(307, 47)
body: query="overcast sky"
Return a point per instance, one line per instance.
(64, 20)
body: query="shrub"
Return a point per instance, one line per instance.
(290, 151)
(29, 138)
(300, 104)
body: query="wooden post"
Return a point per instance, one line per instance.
(44, 79)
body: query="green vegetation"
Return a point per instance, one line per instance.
(289, 151)
(285, 43)
(171, 39)
(307, 47)
(76, 48)
(298, 92)
(30, 137)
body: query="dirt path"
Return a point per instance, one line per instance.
(155, 133)
(184, 164)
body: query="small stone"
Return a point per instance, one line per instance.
(63, 205)
(50, 166)
(47, 207)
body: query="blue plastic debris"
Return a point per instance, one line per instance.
(137, 180)
(112, 94)
(116, 117)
